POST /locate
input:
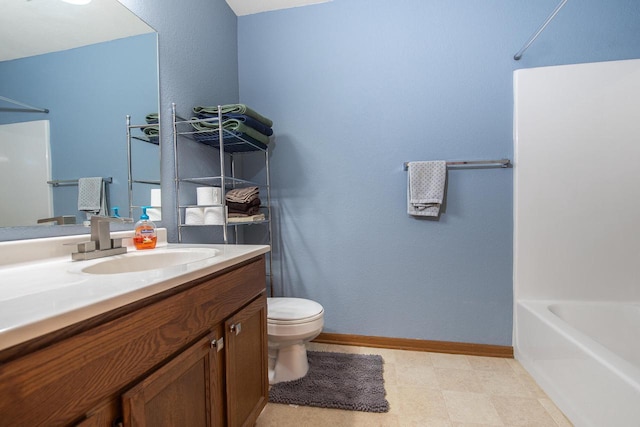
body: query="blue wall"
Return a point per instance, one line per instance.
(89, 91)
(356, 88)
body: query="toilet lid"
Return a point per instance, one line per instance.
(292, 309)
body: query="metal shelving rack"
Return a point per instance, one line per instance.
(229, 145)
(130, 136)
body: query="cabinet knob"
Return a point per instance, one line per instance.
(236, 327)
(218, 344)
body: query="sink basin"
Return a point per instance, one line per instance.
(149, 260)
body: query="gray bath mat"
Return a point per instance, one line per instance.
(337, 380)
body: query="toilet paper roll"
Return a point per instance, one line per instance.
(204, 196)
(217, 195)
(213, 216)
(194, 216)
(156, 197)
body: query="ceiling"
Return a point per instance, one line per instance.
(248, 7)
(34, 27)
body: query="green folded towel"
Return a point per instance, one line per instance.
(234, 109)
(151, 130)
(152, 118)
(232, 125)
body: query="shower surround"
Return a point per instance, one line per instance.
(576, 236)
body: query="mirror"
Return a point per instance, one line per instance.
(89, 78)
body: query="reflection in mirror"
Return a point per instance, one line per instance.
(88, 92)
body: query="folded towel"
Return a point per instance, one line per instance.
(235, 109)
(251, 211)
(153, 133)
(252, 218)
(231, 125)
(152, 118)
(92, 196)
(243, 207)
(249, 121)
(425, 187)
(242, 195)
(231, 141)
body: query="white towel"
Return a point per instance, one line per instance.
(425, 187)
(92, 196)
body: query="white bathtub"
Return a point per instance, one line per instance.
(586, 357)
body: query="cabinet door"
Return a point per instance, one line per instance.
(177, 394)
(247, 363)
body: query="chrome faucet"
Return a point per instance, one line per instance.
(101, 244)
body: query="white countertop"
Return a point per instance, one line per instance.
(41, 293)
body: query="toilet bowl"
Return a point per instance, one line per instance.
(291, 323)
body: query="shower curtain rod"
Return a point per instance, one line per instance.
(27, 108)
(503, 163)
(518, 55)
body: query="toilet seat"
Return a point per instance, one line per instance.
(286, 311)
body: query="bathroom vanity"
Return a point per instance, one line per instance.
(187, 343)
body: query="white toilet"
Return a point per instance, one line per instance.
(291, 323)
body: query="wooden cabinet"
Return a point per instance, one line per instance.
(151, 363)
(189, 390)
(246, 364)
(177, 394)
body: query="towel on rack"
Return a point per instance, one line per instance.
(248, 121)
(425, 187)
(236, 109)
(231, 125)
(92, 196)
(242, 195)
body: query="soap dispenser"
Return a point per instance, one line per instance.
(145, 235)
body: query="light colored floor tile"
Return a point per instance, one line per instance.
(516, 366)
(451, 361)
(417, 420)
(417, 375)
(458, 380)
(467, 407)
(406, 357)
(389, 373)
(421, 402)
(554, 412)
(433, 390)
(503, 383)
(529, 383)
(489, 363)
(519, 411)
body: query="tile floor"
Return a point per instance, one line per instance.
(433, 389)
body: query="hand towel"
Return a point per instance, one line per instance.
(92, 196)
(425, 187)
(242, 195)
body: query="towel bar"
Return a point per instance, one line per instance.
(59, 182)
(503, 163)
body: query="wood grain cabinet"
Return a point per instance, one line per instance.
(193, 356)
